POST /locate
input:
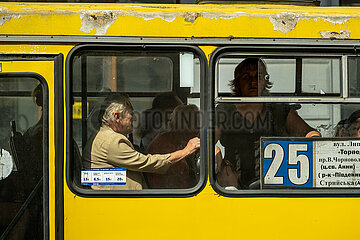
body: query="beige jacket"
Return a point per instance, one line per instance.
(108, 149)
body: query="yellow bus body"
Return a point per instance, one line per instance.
(40, 28)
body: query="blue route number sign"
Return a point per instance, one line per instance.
(287, 164)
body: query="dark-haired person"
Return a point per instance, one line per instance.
(183, 126)
(240, 125)
(349, 127)
(155, 119)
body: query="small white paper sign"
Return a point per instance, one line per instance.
(103, 176)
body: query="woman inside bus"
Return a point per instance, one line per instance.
(183, 126)
(240, 126)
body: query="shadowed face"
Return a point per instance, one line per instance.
(354, 129)
(249, 81)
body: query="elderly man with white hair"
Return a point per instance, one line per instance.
(110, 148)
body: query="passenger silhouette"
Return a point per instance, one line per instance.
(240, 126)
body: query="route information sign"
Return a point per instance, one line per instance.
(310, 163)
(103, 176)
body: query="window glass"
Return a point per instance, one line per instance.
(21, 157)
(132, 73)
(280, 144)
(321, 75)
(354, 76)
(131, 110)
(287, 76)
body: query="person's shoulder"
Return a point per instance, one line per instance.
(278, 106)
(162, 138)
(162, 143)
(107, 133)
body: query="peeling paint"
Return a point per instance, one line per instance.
(101, 20)
(284, 22)
(217, 16)
(6, 17)
(343, 34)
(191, 16)
(169, 17)
(337, 19)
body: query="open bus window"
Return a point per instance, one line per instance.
(270, 133)
(131, 110)
(21, 157)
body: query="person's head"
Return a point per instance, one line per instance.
(112, 97)
(185, 119)
(37, 95)
(251, 78)
(227, 176)
(118, 114)
(353, 124)
(340, 130)
(166, 100)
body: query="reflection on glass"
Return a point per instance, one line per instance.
(123, 73)
(288, 75)
(240, 134)
(153, 82)
(239, 126)
(21, 143)
(354, 76)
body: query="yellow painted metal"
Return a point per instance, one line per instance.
(46, 70)
(260, 21)
(207, 215)
(77, 110)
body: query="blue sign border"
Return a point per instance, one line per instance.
(284, 167)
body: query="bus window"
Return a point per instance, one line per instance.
(289, 76)
(281, 123)
(354, 76)
(21, 158)
(140, 109)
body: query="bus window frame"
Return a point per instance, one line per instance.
(344, 51)
(189, 192)
(45, 111)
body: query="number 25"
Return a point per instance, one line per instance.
(297, 176)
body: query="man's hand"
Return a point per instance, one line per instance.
(192, 145)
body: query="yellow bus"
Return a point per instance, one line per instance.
(279, 154)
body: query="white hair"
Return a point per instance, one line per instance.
(108, 118)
